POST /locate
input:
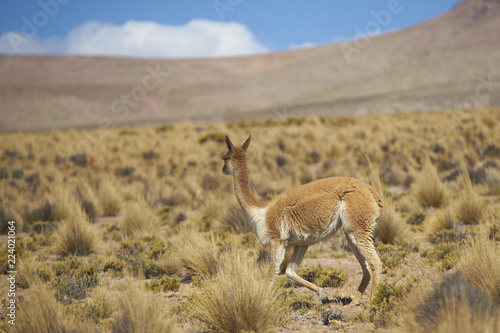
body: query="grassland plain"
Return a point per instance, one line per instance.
(137, 229)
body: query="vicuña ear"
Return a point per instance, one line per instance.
(247, 143)
(229, 144)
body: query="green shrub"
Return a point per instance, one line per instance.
(329, 277)
(44, 227)
(114, 265)
(494, 232)
(166, 283)
(444, 236)
(212, 136)
(387, 295)
(40, 312)
(417, 217)
(153, 285)
(394, 255)
(74, 279)
(141, 256)
(447, 253)
(299, 301)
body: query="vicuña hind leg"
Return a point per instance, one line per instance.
(295, 260)
(363, 249)
(278, 251)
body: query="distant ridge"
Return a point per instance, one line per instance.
(451, 61)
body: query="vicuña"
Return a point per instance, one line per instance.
(308, 214)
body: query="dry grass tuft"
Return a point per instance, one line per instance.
(102, 306)
(235, 219)
(170, 263)
(138, 219)
(239, 298)
(40, 312)
(390, 226)
(198, 255)
(75, 235)
(109, 199)
(429, 188)
(441, 220)
(29, 271)
(141, 313)
(480, 265)
(470, 207)
(62, 205)
(452, 305)
(373, 173)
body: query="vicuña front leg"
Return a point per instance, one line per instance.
(295, 260)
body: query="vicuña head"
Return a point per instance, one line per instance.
(308, 214)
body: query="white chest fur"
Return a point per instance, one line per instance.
(258, 221)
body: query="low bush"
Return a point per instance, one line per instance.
(40, 312)
(165, 283)
(140, 256)
(494, 232)
(299, 301)
(387, 296)
(445, 253)
(417, 217)
(394, 255)
(74, 279)
(321, 277)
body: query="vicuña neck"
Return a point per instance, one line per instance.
(242, 190)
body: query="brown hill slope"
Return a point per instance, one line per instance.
(434, 65)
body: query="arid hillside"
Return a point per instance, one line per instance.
(449, 62)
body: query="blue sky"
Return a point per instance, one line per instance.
(189, 28)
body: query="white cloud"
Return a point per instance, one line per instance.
(197, 38)
(14, 42)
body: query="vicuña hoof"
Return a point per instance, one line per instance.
(321, 293)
